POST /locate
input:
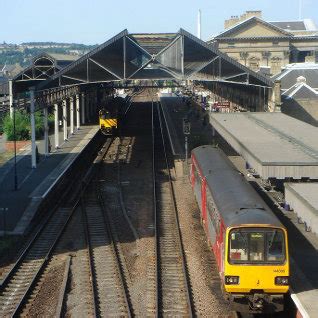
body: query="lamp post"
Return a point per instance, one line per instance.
(186, 131)
(15, 150)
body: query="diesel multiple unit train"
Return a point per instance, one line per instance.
(249, 242)
(109, 115)
(108, 121)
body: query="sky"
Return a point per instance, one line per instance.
(96, 21)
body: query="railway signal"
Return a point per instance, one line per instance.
(186, 126)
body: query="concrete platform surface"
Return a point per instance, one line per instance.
(274, 144)
(33, 184)
(303, 199)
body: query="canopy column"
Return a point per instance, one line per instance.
(65, 119)
(83, 108)
(78, 123)
(56, 125)
(72, 115)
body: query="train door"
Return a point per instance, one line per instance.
(222, 249)
(192, 180)
(204, 209)
(197, 186)
(210, 208)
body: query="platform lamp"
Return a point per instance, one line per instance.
(15, 148)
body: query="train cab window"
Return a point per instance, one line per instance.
(275, 246)
(238, 246)
(104, 114)
(256, 246)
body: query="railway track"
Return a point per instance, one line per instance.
(172, 284)
(110, 295)
(18, 284)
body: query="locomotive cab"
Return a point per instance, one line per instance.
(107, 121)
(256, 271)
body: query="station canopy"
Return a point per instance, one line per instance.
(164, 56)
(42, 68)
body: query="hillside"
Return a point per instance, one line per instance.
(22, 54)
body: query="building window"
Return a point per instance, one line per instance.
(254, 63)
(276, 64)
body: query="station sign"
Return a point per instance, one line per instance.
(222, 104)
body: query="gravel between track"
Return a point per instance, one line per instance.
(202, 268)
(45, 303)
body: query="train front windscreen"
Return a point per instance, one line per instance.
(256, 245)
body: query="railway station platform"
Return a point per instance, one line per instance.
(18, 207)
(303, 199)
(274, 144)
(173, 112)
(173, 131)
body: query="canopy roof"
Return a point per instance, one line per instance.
(168, 56)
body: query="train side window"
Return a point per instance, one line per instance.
(209, 202)
(213, 212)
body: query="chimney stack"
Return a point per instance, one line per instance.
(199, 24)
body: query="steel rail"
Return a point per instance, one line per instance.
(168, 241)
(44, 262)
(93, 282)
(108, 279)
(184, 267)
(33, 272)
(111, 230)
(61, 301)
(93, 285)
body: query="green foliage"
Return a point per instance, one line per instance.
(1, 125)
(22, 126)
(50, 120)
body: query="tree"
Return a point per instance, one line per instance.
(22, 126)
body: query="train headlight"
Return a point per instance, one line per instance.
(232, 280)
(281, 280)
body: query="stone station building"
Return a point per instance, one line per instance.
(267, 46)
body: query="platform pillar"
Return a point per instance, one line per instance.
(10, 98)
(83, 108)
(87, 100)
(72, 115)
(78, 123)
(46, 132)
(33, 145)
(91, 105)
(65, 119)
(95, 106)
(56, 126)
